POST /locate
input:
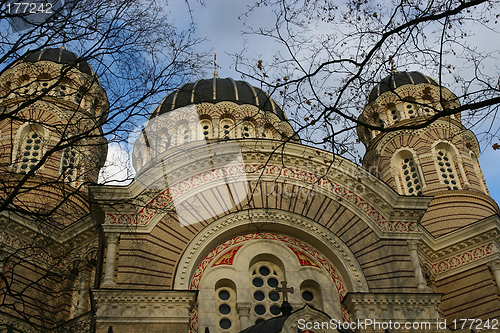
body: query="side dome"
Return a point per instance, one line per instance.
(217, 90)
(59, 56)
(396, 80)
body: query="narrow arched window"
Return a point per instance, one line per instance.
(247, 129)
(183, 134)
(407, 173)
(410, 107)
(446, 167)
(411, 177)
(31, 150)
(206, 129)
(393, 113)
(310, 292)
(225, 302)
(226, 129)
(70, 164)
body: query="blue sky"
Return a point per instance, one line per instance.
(218, 21)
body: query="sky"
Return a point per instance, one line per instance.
(218, 21)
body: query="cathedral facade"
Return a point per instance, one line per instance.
(232, 224)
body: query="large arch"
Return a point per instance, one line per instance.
(260, 220)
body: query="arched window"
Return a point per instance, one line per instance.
(411, 109)
(267, 133)
(31, 149)
(410, 175)
(225, 301)
(445, 156)
(70, 163)
(407, 173)
(183, 134)
(226, 129)
(266, 302)
(206, 129)
(393, 112)
(248, 129)
(310, 291)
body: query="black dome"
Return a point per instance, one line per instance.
(60, 56)
(396, 80)
(272, 325)
(217, 90)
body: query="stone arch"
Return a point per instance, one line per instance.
(250, 253)
(288, 223)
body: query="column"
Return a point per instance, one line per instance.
(495, 269)
(83, 292)
(421, 283)
(244, 312)
(395, 174)
(462, 172)
(109, 271)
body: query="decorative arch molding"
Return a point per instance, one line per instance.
(269, 220)
(387, 213)
(267, 249)
(381, 143)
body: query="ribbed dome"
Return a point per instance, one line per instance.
(60, 56)
(396, 80)
(217, 90)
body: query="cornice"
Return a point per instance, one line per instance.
(324, 173)
(393, 306)
(462, 249)
(143, 306)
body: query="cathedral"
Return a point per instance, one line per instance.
(231, 224)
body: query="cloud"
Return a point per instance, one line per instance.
(117, 169)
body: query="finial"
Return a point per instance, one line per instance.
(63, 41)
(215, 65)
(393, 65)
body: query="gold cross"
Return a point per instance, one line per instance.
(284, 290)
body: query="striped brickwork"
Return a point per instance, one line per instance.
(150, 260)
(469, 294)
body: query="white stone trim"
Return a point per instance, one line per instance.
(143, 306)
(394, 306)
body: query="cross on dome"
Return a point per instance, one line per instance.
(284, 290)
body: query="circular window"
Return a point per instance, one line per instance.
(225, 323)
(272, 282)
(307, 296)
(257, 282)
(224, 295)
(274, 296)
(275, 310)
(260, 309)
(224, 309)
(259, 295)
(264, 271)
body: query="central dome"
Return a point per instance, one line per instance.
(218, 90)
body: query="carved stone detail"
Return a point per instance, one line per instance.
(393, 306)
(159, 306)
